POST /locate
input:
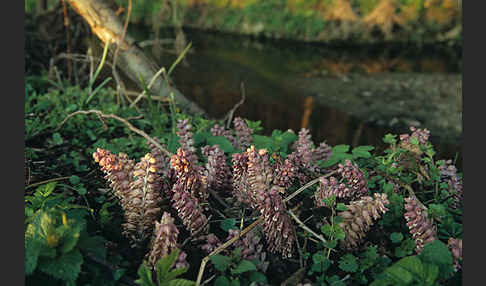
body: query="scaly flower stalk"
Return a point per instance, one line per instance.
(251, 248)
(212, 242)
(277, 225)
(164, 241)
(353, 185)
(184, 131)
(260, 174)
(167, 173)
(323, 152)
(449, 174)
(420, 225)
(285, 172)
(455, 246)
(118, 170)
(422, 136)
(188, 191)
(141, 204)
(359, 216)
(218, 173)
(188, 175)
(304, 148)
(243, 133)
(240, 177)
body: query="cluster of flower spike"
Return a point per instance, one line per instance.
(455, 246)
(422, 136)
(251, 248)
(217, 172)
(164, 241)
(243, 133)
(253, 184)
(421, 227)
(138, 189)
(354, 184)
(449, 173)
(359, 216)
(188, 193)
(305, 156)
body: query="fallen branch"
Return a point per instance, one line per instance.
(124, 121)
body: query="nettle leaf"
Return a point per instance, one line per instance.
(145, 276)
(244, 266)
(348, 263)
(66, 267)
(406, 248)
(263, 142)
(32, 251)
(396, 237)
(164, 265)
(398, 275)
(430, 273)
(412, 264)
(222, 142)
(362, 151)
(228, 224)
(220, 262)
(436, 252)
(222, 281)
(368, 258)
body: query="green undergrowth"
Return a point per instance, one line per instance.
(73, 225)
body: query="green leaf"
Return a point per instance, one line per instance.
(57, 139)
(436, 252)
(145, 276)
(74, 180)
(93, 244)
(339, 232)
(222, 281)
(326, 229)
(410, 263)
(341, 207)
(399, 275)
(390, 139)
(263, 142)
(340, 148)
(235, 282)
(228, 224)
(181, 282)
(220, 262)
(164, 265)
(244, 266)
(70, 238)
(348, 263)
(176, 272)
(118, 273)
(201, 137)
(430, 273)
(66, 267)
(331, 243)
(318, 257)
(396, 237)
(362, 151)
(222, 142)
(258, 277)
(46, 190)
(32, 251)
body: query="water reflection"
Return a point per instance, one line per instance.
(218, 64)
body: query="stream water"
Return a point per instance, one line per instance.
(344, 95)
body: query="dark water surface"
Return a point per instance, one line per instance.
(294, 85)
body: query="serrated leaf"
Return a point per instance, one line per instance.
(66, 267)
(46, 190)
(412, 264)
(220, 262)
(70, 238)
(144, 276)
(181, 282)
(244, 266)
(235, 282)
(32, 251)
(228, 224)
(348, 263)
(396, 237)
(164, 265)
(222, 142)
(95, 245)
(331, 243)
(326, 229)
(263, 142)
(389, 138)
(222, 281)
(436, 252)
(176, 272)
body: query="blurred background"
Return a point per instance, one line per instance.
(349, 70)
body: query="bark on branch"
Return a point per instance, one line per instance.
(131, 59)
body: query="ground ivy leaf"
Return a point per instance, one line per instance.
(396, 237)
(221, 262)
(66, 267)
(348, 263)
